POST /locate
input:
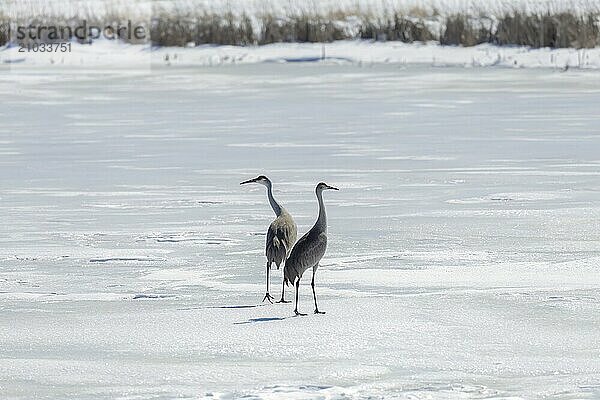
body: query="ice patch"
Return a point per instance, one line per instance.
(125, 259)
(417, 158)
(513, 197)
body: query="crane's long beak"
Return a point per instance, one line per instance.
(248, 181)
(331, 187)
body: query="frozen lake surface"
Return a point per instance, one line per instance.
(464, 244)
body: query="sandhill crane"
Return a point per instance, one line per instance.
(281, 235)
(309, 250)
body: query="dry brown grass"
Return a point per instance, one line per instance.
(201, 29)
(301, 28)
(560, 30)
(184, 27)
(463, 30)
(396, 27)
(4, 26)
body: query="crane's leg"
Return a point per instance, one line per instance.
(267, 295)
(312, 283)
(282, 300)
(297, 289)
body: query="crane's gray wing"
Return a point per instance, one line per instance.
(280, 238)
(307, 253)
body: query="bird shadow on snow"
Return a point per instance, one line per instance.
(242, 306)
(264, 319)
(224, 307)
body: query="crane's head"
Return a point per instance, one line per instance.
(261, 179)
(323, 186)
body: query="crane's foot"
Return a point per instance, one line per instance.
(319, 312)
(282, 300)
(268, 297)
(298, 313)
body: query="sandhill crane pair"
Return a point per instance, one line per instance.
(282, 247)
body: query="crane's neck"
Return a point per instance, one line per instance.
(321, 223)
(277, 209)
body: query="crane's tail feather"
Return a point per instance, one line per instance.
(276, 251)
(289, 274)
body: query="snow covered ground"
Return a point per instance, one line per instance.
(464, 242)
(113, 54)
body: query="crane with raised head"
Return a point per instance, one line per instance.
(281, 234)
(309, 250)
